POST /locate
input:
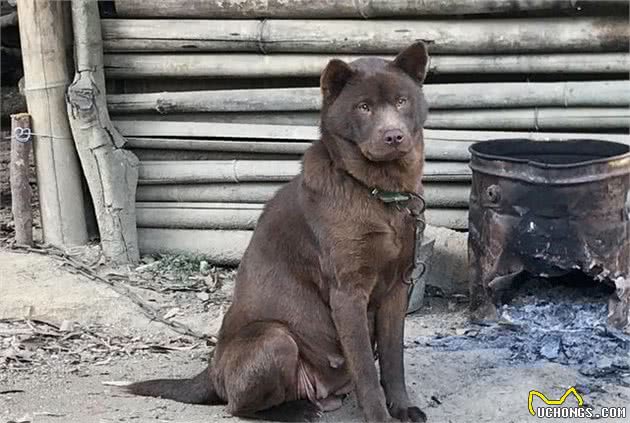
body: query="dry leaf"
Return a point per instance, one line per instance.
(171, 313)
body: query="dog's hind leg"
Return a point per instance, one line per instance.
(259, 371)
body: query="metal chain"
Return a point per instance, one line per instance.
(85, 270)
(419, 268)
(25, 135)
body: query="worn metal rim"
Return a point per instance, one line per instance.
(509, 165)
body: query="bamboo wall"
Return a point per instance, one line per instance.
(219, 99)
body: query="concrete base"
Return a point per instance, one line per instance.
(448, 269)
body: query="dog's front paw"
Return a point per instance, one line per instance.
(408, 414)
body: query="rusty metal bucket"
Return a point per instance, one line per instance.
(547, 208)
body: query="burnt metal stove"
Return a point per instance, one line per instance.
(546, 208)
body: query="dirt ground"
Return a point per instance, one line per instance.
(63, 335)
(66, 331)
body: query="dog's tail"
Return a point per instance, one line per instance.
(197, 390)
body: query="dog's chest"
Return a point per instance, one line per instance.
(393, 240)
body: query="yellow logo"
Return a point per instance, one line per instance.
(560, 401)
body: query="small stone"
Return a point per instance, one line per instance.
(203, 296)
(604, 363)
(582, 388)
(204, 268)
(551, 349)
(66, 326)
(622, 362)
(148, 266)
(24, 419)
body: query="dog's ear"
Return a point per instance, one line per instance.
(413, 61)
(334, 78)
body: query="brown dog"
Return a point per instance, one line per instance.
(323, 279)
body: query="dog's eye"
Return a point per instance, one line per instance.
(364, 107)
(401, 101)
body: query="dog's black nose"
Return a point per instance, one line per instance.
(393, 136)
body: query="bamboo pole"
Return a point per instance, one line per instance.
(220, 247)
(235, 65)
(225, 145)
(198, 215)
(201, 171)
(278, 99)
(44, 57)
(193, 149)
(210, 171)
(226, 247)
(532, 119)
(111, 171)
(245, 192)
(439, 96)
(245, 9)
(489, 36)
(437, 194)
(575, 118)
(434, 150)
(202, 130)
(170, 155)
(476, 136)
(21, 193)
(137, 128)
(245, 216)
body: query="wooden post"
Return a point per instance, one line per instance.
(20, 189)
(111, 172)
(46, 78)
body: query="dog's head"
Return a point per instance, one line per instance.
(377, 104)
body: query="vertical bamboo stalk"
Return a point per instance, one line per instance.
(44, 56)
(111, 171)
(19, 176)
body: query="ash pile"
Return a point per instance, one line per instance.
(560, 320)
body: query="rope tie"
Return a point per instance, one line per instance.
(565, 96)
(24, 135)
(234, 172)
(362, 7)
(260, 42)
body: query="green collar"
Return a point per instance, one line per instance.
(399, 198)
(403, 200)
(392, 196)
